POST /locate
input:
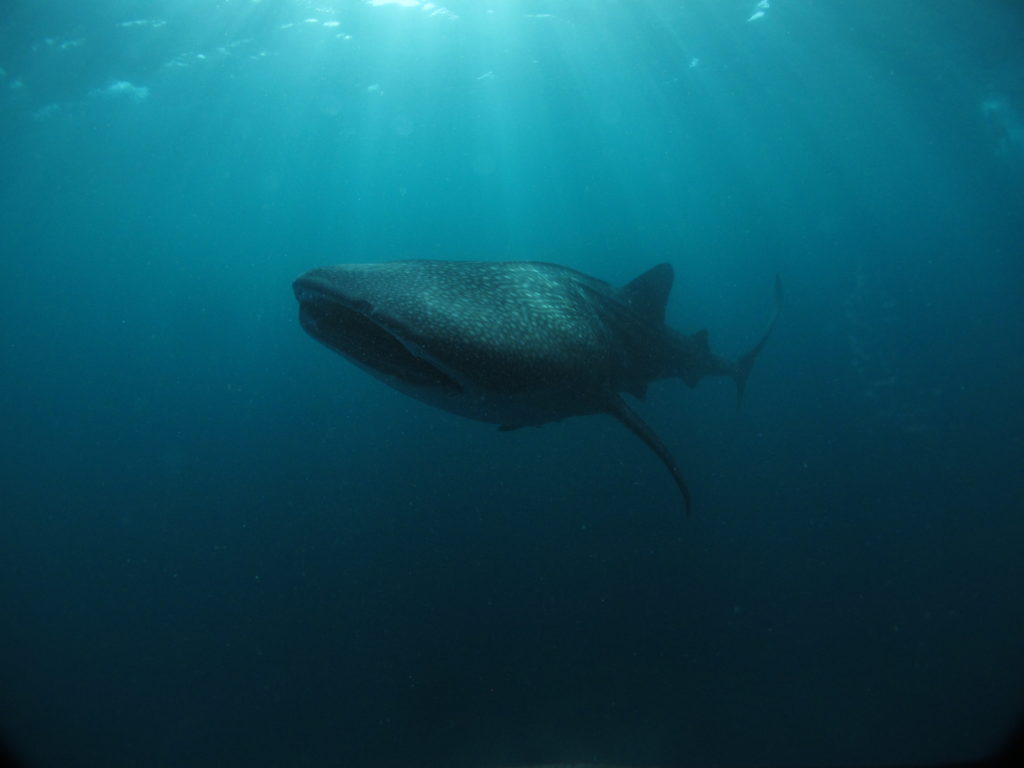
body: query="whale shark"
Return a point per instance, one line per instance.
(514, 343)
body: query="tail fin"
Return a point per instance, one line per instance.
(745, 362)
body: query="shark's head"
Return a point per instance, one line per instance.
(344, 307)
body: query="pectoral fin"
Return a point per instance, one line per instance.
(618, 408)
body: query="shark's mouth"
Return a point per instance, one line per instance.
(347, 327)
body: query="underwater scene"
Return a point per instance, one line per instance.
(504, 383)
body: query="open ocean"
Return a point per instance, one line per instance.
(223, 545)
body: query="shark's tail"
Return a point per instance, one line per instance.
(695, 360)
(745, 363)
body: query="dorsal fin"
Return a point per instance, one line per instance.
(647, 294)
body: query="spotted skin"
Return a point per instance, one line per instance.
(512, 343)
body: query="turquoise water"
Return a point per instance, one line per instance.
(221, 544)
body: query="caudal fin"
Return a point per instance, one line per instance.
(745, 363)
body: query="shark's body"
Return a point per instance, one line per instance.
(513, 343)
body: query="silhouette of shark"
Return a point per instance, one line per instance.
(513, 343)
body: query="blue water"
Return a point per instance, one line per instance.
(223, 545)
